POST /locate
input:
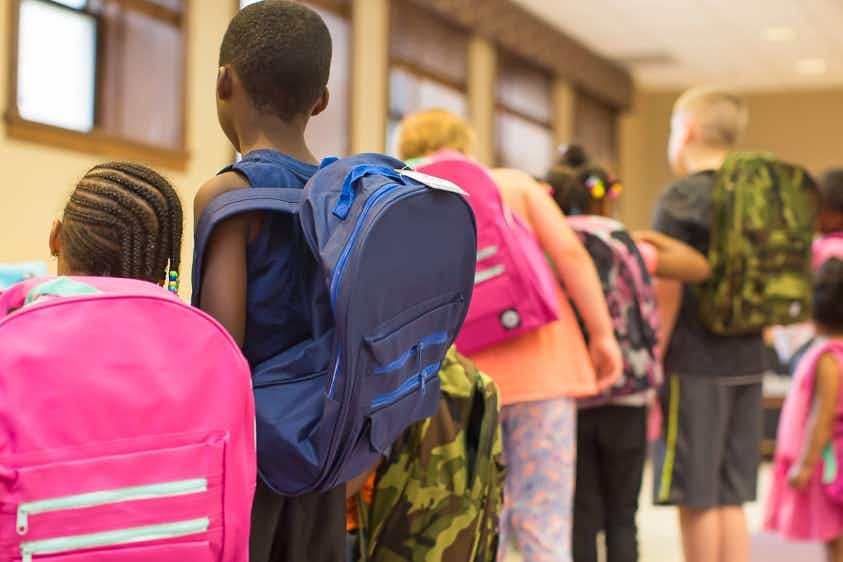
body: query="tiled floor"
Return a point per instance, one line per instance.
(659, 533)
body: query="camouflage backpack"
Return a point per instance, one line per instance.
(763, 214)
(438, 496)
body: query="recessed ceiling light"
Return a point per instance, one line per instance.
(811, 67)
(779, 34)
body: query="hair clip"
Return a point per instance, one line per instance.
(596, 187)
(173, 285)
(615, 190)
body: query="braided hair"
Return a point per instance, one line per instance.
(123, 220)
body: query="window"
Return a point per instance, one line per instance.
(105, 76)
(428, 60)
(595, 128)
(328, 134)
(56, 84)
(524, 117)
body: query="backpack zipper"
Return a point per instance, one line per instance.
(63, 545)
(436, 339)
(486, 274)
(349, 245)
(107, 497)
(487, 253)
(408, 386)
(341, 262)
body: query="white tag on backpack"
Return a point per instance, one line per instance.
(433, 182)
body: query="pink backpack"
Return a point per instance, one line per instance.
(515, 290)
(631, 300)
(827, 247)
(126, 429)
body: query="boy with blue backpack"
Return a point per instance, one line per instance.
(345, 283)
(274, 64)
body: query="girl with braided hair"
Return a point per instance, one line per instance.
(122, 220)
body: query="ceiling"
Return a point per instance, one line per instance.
(748, 44)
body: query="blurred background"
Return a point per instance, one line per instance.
(87, 80)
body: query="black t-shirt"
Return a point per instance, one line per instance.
(684, 212)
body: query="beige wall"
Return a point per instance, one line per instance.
(800, 126)
(37, 179)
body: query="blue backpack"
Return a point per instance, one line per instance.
(389, 261)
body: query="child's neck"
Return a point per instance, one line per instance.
(274, 134)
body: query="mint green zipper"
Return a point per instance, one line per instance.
(486, 253)
(63, 545)
(486, 274)
(106, 497)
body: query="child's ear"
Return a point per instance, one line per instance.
(322, 103)
(55, 238)
(225, 83)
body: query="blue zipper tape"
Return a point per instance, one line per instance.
(407, 386)
(438, 338)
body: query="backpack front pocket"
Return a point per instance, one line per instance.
(97, 502)
(118, 545)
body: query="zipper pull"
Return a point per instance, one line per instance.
(25, 554)
(420, 349)
(22, 524)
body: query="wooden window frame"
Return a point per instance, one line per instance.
(98, 141)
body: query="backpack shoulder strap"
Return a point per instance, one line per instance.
(230, 204)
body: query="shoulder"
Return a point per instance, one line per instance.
(829, 362)
(515, 180)
(519, 189)
(689, 198)
(216, 186)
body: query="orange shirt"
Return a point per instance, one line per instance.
(553, 360)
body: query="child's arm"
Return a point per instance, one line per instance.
(579, 277)
(818, 432)
(223, 291)
(676, 260)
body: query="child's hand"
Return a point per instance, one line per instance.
(799, 476)
(607, 360)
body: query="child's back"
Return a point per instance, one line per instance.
(174, 478)
(274, 64)
(806, 497)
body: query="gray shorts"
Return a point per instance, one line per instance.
(710, 448)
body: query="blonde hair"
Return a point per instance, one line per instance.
(427, 131)
(721, 115)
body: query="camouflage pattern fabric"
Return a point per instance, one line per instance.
(439, 494)
(763, 215)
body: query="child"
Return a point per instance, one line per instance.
(122, 220)
(612, 433)
(800, 506)
(539, 371)
(706, 462)
(830, 218)
(273, 70)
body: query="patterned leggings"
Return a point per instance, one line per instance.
(539, 440)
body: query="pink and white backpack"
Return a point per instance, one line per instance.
(126, 428)
(515, 291)
(631, 300)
